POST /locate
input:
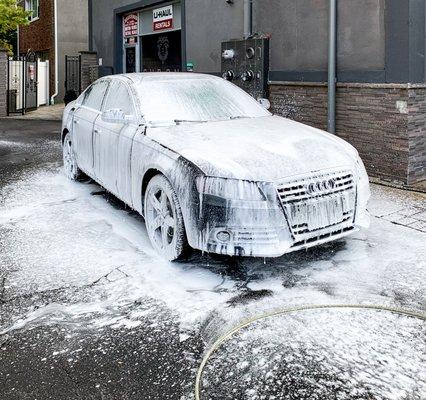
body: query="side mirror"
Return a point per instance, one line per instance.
(265, 103)
(116, 116)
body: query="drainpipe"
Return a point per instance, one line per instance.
(332, 40)
(90, 33)
(52, 98)
(248, 18)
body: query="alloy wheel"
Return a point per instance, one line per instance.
(161, 218)
(70, 163)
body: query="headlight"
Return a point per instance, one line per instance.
(232, 189)
(363, 185)
(360, 170)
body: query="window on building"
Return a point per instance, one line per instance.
(33, 7)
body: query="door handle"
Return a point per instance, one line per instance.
(75, 121)
(97, 131)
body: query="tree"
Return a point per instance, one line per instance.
(11, 16)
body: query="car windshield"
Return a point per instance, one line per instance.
(195, 100)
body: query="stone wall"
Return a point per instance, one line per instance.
(3, 83)
(417, 134)
(306, 103)
(385, 122)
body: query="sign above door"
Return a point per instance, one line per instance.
(162, 18)
(130, 25)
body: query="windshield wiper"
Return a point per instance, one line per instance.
(239, 117)
(181, 121)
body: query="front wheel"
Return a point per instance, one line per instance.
(163, 219)
(70, 163)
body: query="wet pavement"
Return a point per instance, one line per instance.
(89, 311)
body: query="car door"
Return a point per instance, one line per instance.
(83, 121)
(113, 140)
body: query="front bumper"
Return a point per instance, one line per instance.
(274, 227)
(254, 232)
(271, 238)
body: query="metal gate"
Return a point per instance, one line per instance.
(31, 81)
(21, 85)
(72, 76)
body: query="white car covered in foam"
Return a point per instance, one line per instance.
(210, 168)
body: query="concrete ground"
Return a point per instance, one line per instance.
(43, 113)
(89, 311)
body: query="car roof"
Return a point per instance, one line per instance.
(138, 77)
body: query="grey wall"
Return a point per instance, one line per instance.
(300, 43)
(378, 40)
(208, 23)
(103, 28)
(72, 35)
(361, 34)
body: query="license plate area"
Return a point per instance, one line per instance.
(324, 213)
(317, 213)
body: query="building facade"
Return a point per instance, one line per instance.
(52, 35)
(381, 70)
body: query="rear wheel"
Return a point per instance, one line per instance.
(163, 218)
(70, 162)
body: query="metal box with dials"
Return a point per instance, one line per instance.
(245, 62)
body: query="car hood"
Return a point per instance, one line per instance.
(258, 149)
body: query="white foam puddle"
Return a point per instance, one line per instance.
(54, 234)
(321, 354)
(58, 235)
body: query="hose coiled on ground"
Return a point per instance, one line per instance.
(275, 313)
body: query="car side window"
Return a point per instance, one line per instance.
(118, 97)
(94, 95)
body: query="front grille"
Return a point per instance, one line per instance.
(319, 204)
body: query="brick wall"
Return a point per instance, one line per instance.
(417, 134)
(386, 123)
(3, 83)
(39, 36)
(304, 103)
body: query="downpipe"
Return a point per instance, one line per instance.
(248, 18)
(332, 45)
(52, 98)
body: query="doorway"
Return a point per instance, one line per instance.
(130, 59)
(161, 52)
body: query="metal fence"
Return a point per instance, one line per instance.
(72, 76)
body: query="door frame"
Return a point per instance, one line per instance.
(137, 56)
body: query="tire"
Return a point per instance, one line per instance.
(70, 163)
(163, 219)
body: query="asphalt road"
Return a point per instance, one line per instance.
(89, 311)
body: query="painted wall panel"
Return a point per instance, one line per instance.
(208, 23)
(299, 32)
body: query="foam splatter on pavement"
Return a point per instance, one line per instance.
(87, 307)
(321, 354)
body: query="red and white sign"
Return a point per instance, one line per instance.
(31, 71)
(162, 18)
(130, 25)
